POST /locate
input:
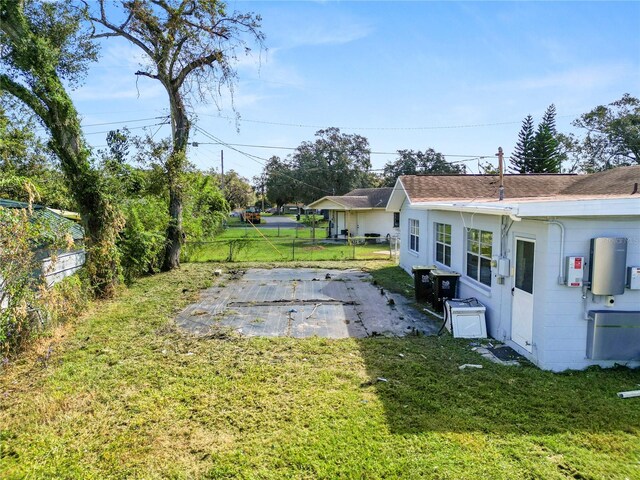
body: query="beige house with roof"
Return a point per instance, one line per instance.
(361, 212)
(537, 259)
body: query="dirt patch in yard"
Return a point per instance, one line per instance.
(304, 303)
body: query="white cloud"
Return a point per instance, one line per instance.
(320, 28)
(267, 70)
(341, 33)
(578, 78)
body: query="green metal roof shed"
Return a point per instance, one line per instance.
(55, 220)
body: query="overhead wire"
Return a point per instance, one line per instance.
(428, 127)
(124, 121)
(276, 147)
(259, 160)
(130, 128)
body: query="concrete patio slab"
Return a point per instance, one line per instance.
(303, 303)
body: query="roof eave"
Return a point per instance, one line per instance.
(398, 196)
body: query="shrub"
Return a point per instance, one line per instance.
(142, 241)
(25, 307)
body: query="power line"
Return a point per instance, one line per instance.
(275, 147)
(429, 127)
(131, 128)
(124, 121)
(259, 160)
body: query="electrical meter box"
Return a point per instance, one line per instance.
(504, 267)
(573, 271)
(633, 278)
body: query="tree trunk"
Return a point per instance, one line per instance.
(175, 234)
(180, 126)
(100, 219)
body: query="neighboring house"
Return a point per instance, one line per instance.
(66, 262)
(513, 256)
(361, 212)
(290, 209)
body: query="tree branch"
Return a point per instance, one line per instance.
(197, 63)
(26, 96)
(120, 30)
(147, 74)
(176, 52)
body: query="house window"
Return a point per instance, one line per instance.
(443, 244)
(479, 255)
(396, 219)
(414, 235)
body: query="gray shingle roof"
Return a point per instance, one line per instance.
(424, 188)
(362, 198)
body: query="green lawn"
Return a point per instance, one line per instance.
(121, 394)
(250, 244)
(247, 230)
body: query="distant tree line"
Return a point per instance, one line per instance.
(336, 163)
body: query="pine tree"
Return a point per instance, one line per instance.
(546, 155)
(549, 119)
(523, 153)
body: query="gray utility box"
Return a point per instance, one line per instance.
(613, 335)
(608, 265)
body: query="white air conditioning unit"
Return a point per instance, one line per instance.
(465, 318)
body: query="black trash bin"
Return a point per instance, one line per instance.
(444, 286)
(371, 238)
(422, 282)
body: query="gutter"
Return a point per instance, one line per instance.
(511, 212)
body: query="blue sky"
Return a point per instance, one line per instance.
(457, 77)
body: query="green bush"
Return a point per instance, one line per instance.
(142, 241)
(27, 307)
(204, 211)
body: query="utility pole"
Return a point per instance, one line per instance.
(500, 156)
(222, 169)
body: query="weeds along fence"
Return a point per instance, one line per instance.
(287, 248)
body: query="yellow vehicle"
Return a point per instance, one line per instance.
(251, 215)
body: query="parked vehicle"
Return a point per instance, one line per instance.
(251, 215)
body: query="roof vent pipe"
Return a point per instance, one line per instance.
(500, 156)
(635, 188)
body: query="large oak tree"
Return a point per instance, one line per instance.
(43, 48)
(190, 47)
(613, 135)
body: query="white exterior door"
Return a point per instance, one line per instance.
(522, 291)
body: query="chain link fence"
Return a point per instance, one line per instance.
(299, 247)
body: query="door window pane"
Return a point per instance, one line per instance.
(524, 265)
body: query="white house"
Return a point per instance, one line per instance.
(361, 212)
(528, 257)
